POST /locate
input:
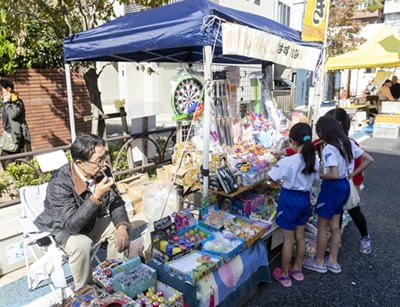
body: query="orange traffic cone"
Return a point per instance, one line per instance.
(364, 97)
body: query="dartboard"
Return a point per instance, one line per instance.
(188, 91)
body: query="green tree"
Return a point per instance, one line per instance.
(59, 19)
(7, 50)
(343, 30)
(42, 49)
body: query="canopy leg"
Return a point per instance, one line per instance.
(70, 104)
(207, 51)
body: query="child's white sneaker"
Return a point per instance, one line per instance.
(365, 245)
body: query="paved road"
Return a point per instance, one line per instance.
(366, 280)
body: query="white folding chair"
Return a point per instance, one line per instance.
(32, 201)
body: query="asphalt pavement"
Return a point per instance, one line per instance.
(365, 280)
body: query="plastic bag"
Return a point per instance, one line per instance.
(49, 264)
(154, 200)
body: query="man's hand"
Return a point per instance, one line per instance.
(121, 239)
(103, 187)
(7, 96)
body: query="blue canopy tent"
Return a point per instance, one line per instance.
(182, 32)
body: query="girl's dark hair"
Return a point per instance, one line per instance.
(297, 133)
(6, 83)
(387, 81)
(84, 146)
(330, 131)
(341, 115)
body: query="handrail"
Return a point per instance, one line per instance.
(21, 157)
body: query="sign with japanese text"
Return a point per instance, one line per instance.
(248, 42)
(314, 20)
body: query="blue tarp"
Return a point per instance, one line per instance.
(169, 33)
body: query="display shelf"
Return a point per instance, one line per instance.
(270, 232)
(240, 190)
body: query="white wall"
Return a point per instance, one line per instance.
(391, 6)
(266, 8)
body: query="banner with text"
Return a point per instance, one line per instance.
(314, 21)
(248, 42)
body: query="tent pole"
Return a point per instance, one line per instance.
(320, 76)
(207, 110)
(70, 104)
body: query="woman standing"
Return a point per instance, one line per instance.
(384, 92)
(14, 123)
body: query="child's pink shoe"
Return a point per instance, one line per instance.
(277, 275)
(293, 274)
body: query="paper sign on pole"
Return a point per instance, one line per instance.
(314, 20)
(248, 42)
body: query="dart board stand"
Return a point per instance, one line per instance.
(187, 91)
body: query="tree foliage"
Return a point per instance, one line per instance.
(7, 49)
(344, 30)
(152, 3)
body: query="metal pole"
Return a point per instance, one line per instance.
(70, 104)
(207, 110)
(320, 75)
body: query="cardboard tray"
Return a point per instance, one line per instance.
(227, 256)
(180, 233)
(188, 275)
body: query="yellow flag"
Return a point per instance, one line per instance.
(314, 20)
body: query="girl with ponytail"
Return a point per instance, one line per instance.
(337, 154)
(297, 173)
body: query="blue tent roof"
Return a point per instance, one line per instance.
(169, 33)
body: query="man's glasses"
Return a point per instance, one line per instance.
(99, 163)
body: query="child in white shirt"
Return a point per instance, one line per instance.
(297, 173)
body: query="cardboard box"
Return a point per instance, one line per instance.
(184, 176)
(140, 189)
(137, 203)
(164, 173)
(135, 180)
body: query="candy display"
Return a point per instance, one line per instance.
(92, 296)
(250, 233)
(103, 274)
(247, 202)
(166, 243)
(183, 219)
(224, 244)
(217, 220)
(194, 266)
(133, 277)
(195, 235)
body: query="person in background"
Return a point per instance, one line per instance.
(297, 173)
(13, 117)
(395, 89)
(83, 206)
(384, 92)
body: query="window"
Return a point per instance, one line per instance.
(283, 14)
(370, 70)
(257, 2)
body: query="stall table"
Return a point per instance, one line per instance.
(228, 286)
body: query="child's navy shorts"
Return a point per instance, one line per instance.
(332, 198)
(293, 209)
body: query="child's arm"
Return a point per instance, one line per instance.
(332, 175)
(278, 153)
(366, 161)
